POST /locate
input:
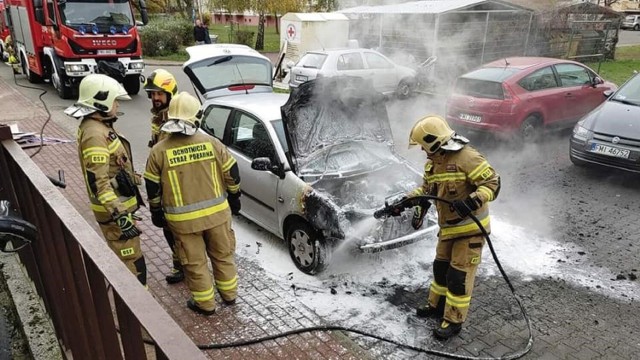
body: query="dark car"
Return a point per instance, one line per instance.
(520, 96)
(610, 134)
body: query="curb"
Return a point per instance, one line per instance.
(33, 316)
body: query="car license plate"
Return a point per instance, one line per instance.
(301, 78)
(610, 151)
(470, 118)
(106, 51)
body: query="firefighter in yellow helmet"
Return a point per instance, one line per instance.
(160, 86)
(456, 172)
(105, 158)
(193, 184)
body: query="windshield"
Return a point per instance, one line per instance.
(629, 93)
(312, 60)
(102, 13)
(349, 157)
(231, 70)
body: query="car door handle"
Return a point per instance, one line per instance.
(280, 200)
(568, 94)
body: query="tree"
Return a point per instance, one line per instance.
(262, 8)
(607, 3)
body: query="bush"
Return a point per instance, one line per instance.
(161, 38)
(244, 37)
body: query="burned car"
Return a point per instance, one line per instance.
(314, 164)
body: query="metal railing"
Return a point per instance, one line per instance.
(73, 269)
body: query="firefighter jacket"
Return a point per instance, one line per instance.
(189, 176)
(103, 154)
(158, 119)
(455, 176)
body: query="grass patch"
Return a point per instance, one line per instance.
(271, 41)
(621, 69)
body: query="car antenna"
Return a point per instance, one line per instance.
(242, 79)
(506, 63)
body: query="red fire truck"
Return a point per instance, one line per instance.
(4, 29)
(61, 41)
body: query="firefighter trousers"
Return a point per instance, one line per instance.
(168, 235)
(128, 251)
(454, 272)
(219, 244)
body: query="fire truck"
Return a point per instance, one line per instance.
(62, 41)
(4, 29)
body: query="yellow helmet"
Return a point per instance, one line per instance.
(183, 114)
(432, 133)
(97, 92)
(161, 80)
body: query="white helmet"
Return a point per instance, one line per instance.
(184, 114)
(97, 92)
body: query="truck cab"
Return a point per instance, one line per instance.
(62, 41)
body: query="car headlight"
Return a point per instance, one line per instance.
(581, 133)
(136, 65)
(72, 68)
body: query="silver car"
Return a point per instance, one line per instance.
(384, 75)
(315, 164)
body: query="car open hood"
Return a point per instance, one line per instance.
(617, 119)
(228, 69)
(334, 110)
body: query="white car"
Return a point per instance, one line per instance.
(313, 170)
(383, 74)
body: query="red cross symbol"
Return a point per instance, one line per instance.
(291, 31)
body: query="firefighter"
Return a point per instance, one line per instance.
(105, 158)
(457, 172)
(193, 184)
(160, 86)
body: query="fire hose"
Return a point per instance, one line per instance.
(404, 203)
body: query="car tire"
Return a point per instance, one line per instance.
(531, 129)
(131, 84)
(404, 89)
(636, 27)
(308, 248)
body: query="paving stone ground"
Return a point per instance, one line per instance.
(569, 321)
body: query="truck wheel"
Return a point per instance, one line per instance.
(31, 76)
(64, 91)
(307, 248)
(132, 84)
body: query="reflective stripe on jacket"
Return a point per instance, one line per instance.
(192, 175)
(456, 176)
(102, 153)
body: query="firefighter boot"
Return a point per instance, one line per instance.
(446, 330)
(191, 304)
(428, 311)
(176, 275)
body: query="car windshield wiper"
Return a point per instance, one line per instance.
(627, 102)
(310, 66)
(221, 60)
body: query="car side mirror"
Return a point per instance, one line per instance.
(607, 93)
(597, 81)
(261, 164)
(15, 233)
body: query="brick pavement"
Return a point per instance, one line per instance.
(569, 322)
(262, 308)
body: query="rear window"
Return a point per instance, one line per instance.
(479, 88)
(312, 60)
(495, 74)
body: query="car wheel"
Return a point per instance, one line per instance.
(307, 248)
(636, 27)
(404, 89)
(531, 129)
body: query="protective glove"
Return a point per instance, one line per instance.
(234, 202)
(464, 207)
(394, 209)
(157, 217)
(418, 215)
(128, 227)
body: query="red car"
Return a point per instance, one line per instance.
(520, 96)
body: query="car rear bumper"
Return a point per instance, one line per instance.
(481, 127)
(578, 150)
